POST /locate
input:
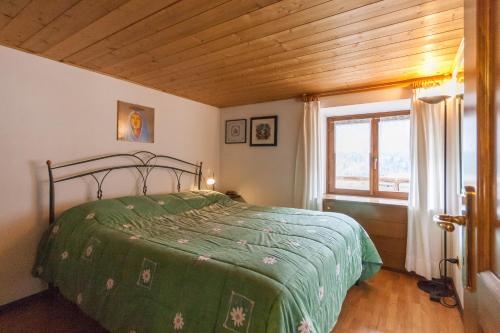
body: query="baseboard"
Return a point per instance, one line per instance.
(27, 299)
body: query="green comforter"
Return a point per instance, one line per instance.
(200, 262)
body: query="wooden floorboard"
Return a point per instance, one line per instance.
(388, 303)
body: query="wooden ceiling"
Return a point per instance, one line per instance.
(231, 52)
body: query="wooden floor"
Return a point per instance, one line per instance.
(390, 302)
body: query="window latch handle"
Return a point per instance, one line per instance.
(375, 163)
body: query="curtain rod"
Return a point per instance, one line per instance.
(402, 83)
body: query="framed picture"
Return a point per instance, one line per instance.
(236, 131)
(135, 123)
(264, 131)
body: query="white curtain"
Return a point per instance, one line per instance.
(309, 164)
(426, 198)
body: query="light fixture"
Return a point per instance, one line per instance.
(211, 182)
(436, 94)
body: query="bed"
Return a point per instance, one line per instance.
(197, 261)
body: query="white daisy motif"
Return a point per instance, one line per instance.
(267, 230)
(146, 275)
(129, 206)
(338, 269)
(55, 230)
(178, 321)
(216, 229)
(64, 255)
(182, 241)
(321, 293)
(134, 237)
(79, 298)
(237, 316)
(204, 258)
(110, 283)
(90, 216)
(269, 260)
(305, 326)
(258, 214)
(128, 226)
(242, 242)
(161, 203)
(89, 250)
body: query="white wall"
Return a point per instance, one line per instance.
(262, 175)
(54, 111)
(265, 175)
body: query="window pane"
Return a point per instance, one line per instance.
(394, 154)
(352, 154)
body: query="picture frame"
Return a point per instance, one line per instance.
(135, 123)
(264, 131)
(236, 131)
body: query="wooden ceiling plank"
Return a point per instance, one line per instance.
(173, 63)
(33, 18)
(298, 89)
(74, 19)
(348, 65)
(9, 9)
(163, 19)
(12, 8)
(340, 37)
(403, 62)
(155, 60)
(129, 13)
(186, 34)
(326, 77)
(412, 46)
(351, 46)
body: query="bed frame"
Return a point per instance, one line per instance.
(143, 161)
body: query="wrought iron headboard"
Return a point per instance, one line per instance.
(145, 162)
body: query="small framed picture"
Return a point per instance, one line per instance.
(135, 123)
(264, 131)
(236, 131)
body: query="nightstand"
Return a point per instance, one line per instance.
(236, 197)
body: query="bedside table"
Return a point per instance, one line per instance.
(236, 197)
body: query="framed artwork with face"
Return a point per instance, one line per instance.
(264, 131)
(135, 123)
(236, 131)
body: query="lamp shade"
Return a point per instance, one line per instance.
(436, 94)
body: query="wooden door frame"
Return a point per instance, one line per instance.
(483, 290)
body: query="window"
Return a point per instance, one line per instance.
(369, 154)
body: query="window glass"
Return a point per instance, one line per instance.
(352, 154)
(394, 154)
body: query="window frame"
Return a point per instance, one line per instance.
(374, 159)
